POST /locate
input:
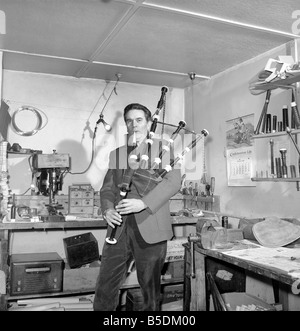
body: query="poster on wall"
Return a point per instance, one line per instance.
(240, 151)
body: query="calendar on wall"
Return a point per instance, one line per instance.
(240, 151)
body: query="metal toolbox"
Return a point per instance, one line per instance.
(36, 273)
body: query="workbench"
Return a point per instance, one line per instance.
(229, 267)
(7, 228)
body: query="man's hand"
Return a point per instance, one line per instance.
(128, 206)
(112, 217)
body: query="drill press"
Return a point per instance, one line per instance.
(51, 168)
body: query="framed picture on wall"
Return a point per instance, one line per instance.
(240, 151)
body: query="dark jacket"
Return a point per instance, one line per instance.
(154, 222)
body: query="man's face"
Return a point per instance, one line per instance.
(136, 123)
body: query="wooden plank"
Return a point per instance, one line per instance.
(198, 284)
(194, 285)
(3, 268)
(176, 220)
(3, 251)
(88, 224)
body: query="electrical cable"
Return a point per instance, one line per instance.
(26, 191)
(113, 90)
(95, 130)
(92, 159)
(39, 126)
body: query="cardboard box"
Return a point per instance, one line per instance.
(245, 302)
(173, 270)
(172, 293)
(173, 306)
(81, 279)
(175, 249)
(171, 296)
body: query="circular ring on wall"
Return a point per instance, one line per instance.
(38, 126)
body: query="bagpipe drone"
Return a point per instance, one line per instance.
(148, 172)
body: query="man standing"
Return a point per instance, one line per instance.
(143, 217)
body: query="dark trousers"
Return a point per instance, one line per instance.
(149, 260)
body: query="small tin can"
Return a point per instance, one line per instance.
(225, 222)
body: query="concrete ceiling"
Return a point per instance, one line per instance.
(155, 42)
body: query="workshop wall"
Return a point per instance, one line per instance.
(71, 112)
(224, 98)
(70, 117)
(69, 105)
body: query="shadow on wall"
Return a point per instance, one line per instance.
(82, 170)
(106, 142)
(79, 163)
(20, 175)
(5, 120)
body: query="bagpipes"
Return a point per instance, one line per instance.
(150, 175)
(134, 162)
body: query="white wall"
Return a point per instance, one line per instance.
(68, 104)
(226, 97)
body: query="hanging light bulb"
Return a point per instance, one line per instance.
(107, 127)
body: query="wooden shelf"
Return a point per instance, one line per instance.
(275, 134)
(88, 224)
(19, 153)
(62, 226)
(53, 225)
(292, 78)
(207, 199)
(276, 179)
(84, 291)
